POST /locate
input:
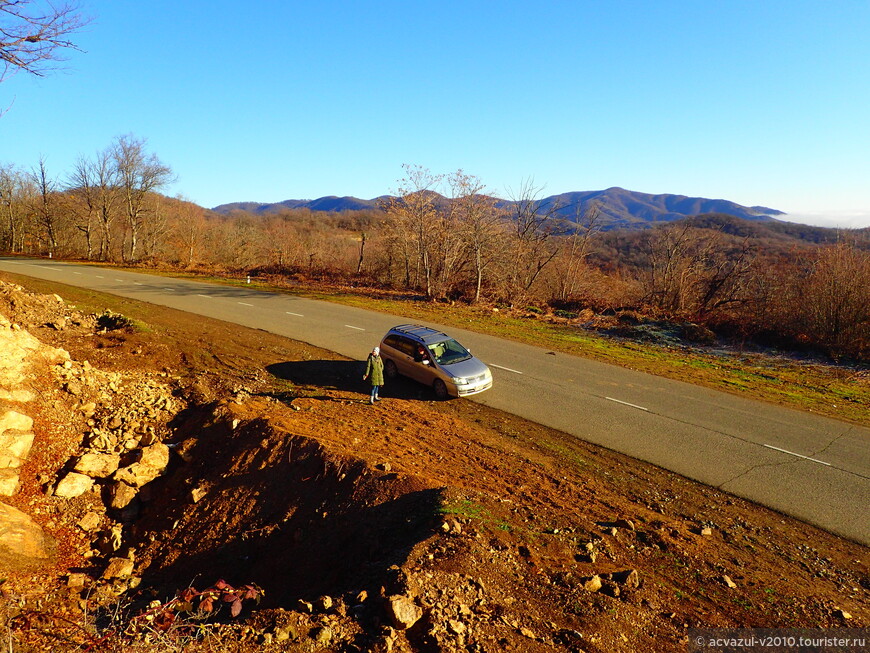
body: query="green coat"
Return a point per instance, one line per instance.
(375, 370)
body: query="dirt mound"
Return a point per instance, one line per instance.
(410, 525)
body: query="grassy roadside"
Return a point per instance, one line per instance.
(840, 392)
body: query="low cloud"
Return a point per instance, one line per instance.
(842, 219)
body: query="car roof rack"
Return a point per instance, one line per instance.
(424, 333)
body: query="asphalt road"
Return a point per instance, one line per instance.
(814, 468)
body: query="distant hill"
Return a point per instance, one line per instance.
(619, 208)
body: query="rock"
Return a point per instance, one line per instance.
(842, 614)
(152, 463)
(90, 522)
(197, 493)
(403, 612)
(12, 420)
(74, 485)
(121, 495)
(8, 482)
(727, 580)
(97, 465)
(76, 581)
(119, 568)
(706, 531)
(324, 603)
(321, 635)
(456, 627)
(304, 606)
(624, 523)
(629, 578)
(592, 584)
(23, 544)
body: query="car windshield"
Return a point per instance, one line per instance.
(448, 351)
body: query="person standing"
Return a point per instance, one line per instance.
(375, 373)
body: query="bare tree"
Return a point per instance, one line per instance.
(189, 231)
(413, 217)
(575, 250)
(480, 225)
(13, 192)
(534, 226)
(44, 206)
(139, 174)
(33, 35)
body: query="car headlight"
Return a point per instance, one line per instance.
(460, 380)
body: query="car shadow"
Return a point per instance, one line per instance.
(346, 376)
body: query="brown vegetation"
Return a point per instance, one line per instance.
(786, 285)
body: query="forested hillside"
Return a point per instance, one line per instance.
(443, 237)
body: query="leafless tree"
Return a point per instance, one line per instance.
(44, 207)
(13, 196)
(480, 225)
(533, 227)
(34, 35)
(139, 174)
(575, 249)
(413, 217)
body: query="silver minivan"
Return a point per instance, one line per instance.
(435, 360)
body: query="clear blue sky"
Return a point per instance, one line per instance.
(757, 101)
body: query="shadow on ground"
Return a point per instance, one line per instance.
(346, 376)
(280, 511)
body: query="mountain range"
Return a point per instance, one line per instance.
(618, 208)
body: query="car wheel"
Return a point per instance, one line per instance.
(390, 370)
(440, 389)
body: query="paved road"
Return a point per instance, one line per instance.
(814, 468)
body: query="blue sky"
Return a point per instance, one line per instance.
(759, 102)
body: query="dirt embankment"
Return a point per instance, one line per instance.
(411, 525)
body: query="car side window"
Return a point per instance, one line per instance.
(405, 346)
(392, 341)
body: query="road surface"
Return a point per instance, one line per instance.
(814, 468)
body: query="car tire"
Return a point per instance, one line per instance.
(390, 370)
(440, 389)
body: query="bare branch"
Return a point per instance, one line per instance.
(33, 37)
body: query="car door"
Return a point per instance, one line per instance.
(408, 361)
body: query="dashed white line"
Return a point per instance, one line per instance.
(350, 326)
(74, 272)
(625, 403)
(137, 283)
(792, 453)
(169, 289)
(99, 276)
(206, 296)
(296, 314)
(119, 280)
(506, 369)
(244, 304)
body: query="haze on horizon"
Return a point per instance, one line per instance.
(756, 103)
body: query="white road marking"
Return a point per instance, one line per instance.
(244, 304)
(137, 283)
(296, 314)
(350, 326)
(119, 280)
(74, 272)
(792, 453)
(169, 289)
(206, 296)
(625, 403)
(506, 369)
(99, 276)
